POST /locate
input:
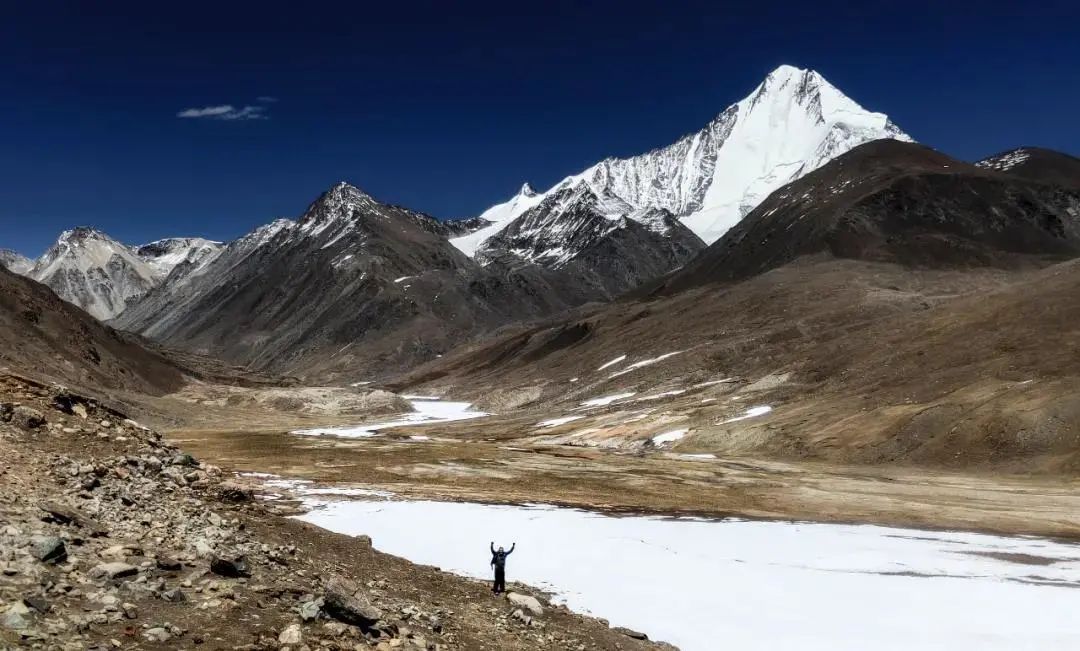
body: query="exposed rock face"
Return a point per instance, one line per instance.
(600, 240)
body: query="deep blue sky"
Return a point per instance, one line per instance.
(449, 107)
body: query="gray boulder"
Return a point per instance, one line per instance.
(525, 602)
(346, 602)
(27, 418)
(629, 632)
(230, 566)
(112, 571)
(48, 549)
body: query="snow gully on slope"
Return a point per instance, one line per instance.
(749, 413)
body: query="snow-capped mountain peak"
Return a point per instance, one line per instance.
(793, 122)
(167, 254)
(499, 216)
(15, 262)
(335, 210)
(90, 269)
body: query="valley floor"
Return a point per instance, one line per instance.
(508, 471)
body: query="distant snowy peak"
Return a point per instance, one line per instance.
(568, 221)
(498, 216)
(167, 254)
(95, 272)
(15, 262)
(792, 123)
(263, 234)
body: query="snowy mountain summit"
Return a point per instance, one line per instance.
(103, 276)
(90, 269)
(794, 122)
(172, 252)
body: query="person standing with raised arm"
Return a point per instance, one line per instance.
(498, 561)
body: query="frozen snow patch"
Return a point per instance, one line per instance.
(606, 400)
(612, 362)
(555, 422)
(757, 584)
(665, 394)
(669, 437)
(644, 362)
(749, 413)
(428, 410)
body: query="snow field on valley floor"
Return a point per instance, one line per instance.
(428, 410)
(704, 584)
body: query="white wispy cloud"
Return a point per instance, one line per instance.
(266, 99)
(226, 112)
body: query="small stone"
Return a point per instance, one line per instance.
(229, 566)
(157, 634)
(526, 602)
(112, 571)
(37, 603)
(130, 611)
(13, 621)
(27, 418)
(168, 564)
(184, 459)
(203, 549)
(309, 610)
(232, 492)
(291, 635)
(175, 595)
(49, 549)
(629, 632)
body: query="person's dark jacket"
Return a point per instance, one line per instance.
(498, 558)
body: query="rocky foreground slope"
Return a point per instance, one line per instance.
(111, 537)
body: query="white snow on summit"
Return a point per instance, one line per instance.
(15, 262)
(794, 122)
(89, 269)
(167, 254)
(102, 276)
(500, 215)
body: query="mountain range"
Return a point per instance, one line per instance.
(356, 287)
(797, 239)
